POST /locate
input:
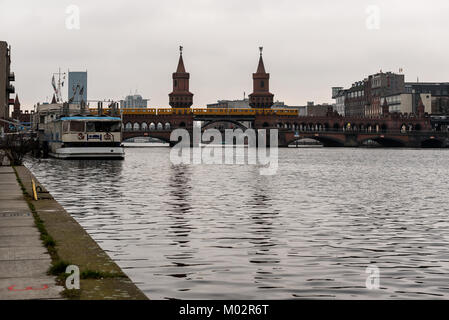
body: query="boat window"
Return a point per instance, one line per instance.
(90, 127)
(77, 126)
(103, 126)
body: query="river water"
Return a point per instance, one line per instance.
(225, 231)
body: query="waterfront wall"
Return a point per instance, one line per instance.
(101, 278)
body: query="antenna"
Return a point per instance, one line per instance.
(180, 50)
(260, 49)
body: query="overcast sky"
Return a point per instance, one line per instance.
(309, 46)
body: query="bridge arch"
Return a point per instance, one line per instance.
(162, 136)
(160, 126)
(144, 126)
(432, 143)
(152, 126)
(238, 124)
(128, 126)
(385, 142)
(326, 141)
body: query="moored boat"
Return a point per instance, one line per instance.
(66, 132)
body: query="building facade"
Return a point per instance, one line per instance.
(317, 110)
(438, 91)
(408, 102)
(383, 85)
(365, 98)
(339, 94)
(77, 88)
(230, 104)
(357, 99)
(6, 77)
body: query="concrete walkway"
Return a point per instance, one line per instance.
(24, 261)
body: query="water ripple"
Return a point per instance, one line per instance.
(310, 231)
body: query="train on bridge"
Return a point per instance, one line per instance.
(203, 111)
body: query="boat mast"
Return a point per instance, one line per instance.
(58, 93)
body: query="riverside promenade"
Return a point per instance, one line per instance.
(30, 270)
(24, 261)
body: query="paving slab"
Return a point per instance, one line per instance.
(24, 268)
(19, 241)
(18, 231)
(15, 222)
(13, 205)
(23, 253)
(6, 169)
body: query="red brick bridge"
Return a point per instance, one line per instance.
(332, 130)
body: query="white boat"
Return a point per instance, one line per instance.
(68, 134)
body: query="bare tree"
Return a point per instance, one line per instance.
(16, 146)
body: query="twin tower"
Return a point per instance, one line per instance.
(181, 97)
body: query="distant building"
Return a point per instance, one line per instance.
(133, 101)
(302, 110)
(317, 110)
(77, 88)
(357, 99)
(364, 98)
(339, 94)
(23, 117)
(438, 91)
(383, 85)
(408, 102)
(230, 104)
(6, 77)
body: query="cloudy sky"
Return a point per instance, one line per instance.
(309, 46)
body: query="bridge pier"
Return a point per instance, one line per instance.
(351, 141)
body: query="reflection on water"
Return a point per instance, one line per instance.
(310, 231)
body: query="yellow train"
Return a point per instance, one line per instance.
(202, 111)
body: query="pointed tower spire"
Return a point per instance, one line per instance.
(16, 110)
(261, 96)
(181, 97)
(385, 107)
(260, 67)
(181, 68)
(421, 107)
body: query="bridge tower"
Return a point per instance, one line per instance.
(181, 97)
(261, 96)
